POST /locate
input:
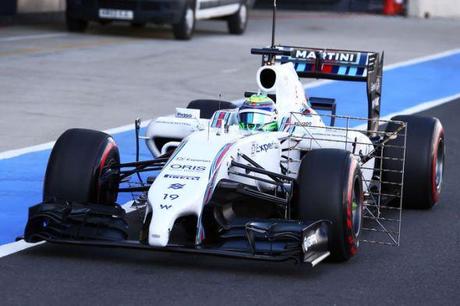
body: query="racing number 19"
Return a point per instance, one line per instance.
(170, 196)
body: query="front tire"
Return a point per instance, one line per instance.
(237, 22)
(329, 187)
(184, 29)
(209, 107)
(79, 168)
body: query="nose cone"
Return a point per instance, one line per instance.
(158, 236)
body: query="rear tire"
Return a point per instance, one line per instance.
(76, 25)
(209, 107)
(79, 168)
(237, 22)
(184, 29)
(424, 163)
(329, 187)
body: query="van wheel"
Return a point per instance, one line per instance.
(184, 29)
(237, 22)
(76, 25)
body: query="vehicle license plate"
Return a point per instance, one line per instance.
(116, 14)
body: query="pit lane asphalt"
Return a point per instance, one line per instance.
(51, 80)
(423, 270)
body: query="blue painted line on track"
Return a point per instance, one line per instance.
(21, 177)
(21, 182)
(403, 87)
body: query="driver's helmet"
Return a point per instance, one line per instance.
(258, 113)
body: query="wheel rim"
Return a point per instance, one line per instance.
(439, 165)
(108, 184)
(356, 207)
(108, 179)
(189, 20)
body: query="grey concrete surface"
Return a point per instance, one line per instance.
(424, 270)
(51, 80)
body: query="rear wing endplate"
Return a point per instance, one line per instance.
(334, 64)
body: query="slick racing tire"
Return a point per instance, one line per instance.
(184, 29)
(329, 187)
(209, 107)
(76, 25)
(79, 168)
(424, 162)
(237, 22)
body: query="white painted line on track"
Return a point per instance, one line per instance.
(14, 247)
(22, 151)
(49, 145)
(422, 59)
(29, 37)
(423, 106)
(17, 246)
(416, 109)
(390, 67)
(129, 127)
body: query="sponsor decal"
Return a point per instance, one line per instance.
(306, 123)
(197, 160)
(187, 113)
(165, 206)
(176, 186)
(182, 177)
(257, 148)
(328, 56)
(182, 115)
(308, 242)
(186, 123)
(187, 167)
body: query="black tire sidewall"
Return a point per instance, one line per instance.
(209, 107)
(324, 191)
(423, 136)
(74, 24)
(74, 168)
(181, 30)
(235, 24)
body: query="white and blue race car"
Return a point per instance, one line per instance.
(278, 177)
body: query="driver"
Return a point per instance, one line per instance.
(258, 113)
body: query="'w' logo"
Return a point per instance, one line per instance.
(165, 206)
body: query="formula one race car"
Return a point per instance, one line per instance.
(267, 179)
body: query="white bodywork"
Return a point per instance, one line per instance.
(204, 153)
(206, 9)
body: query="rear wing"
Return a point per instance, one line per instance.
(334, 64)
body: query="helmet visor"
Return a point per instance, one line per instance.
(253, 121)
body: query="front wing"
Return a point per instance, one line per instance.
(98, 225)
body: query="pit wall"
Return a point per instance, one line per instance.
(434, 8)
